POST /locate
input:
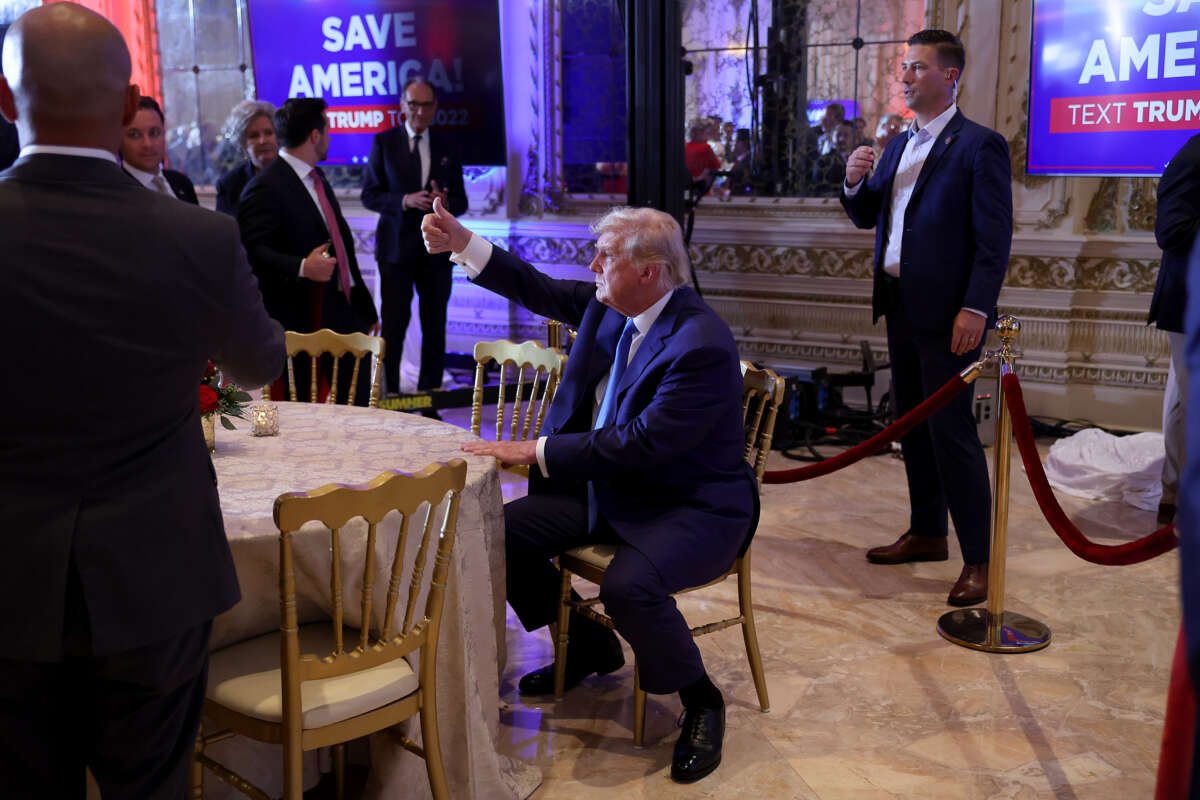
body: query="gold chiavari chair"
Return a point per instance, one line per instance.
(324, 683)
(536, 370)
(762, 393)
(325, 341)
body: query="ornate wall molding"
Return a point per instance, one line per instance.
(1142, 209)
(543, 189)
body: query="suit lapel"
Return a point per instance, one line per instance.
(945, 139)
(294, 189)
(653, 342)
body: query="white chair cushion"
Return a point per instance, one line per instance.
(246, 678)
(598, 555)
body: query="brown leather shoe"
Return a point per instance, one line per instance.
(971, 586)
(910, 548)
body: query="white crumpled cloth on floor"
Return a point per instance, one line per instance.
(1099, 466)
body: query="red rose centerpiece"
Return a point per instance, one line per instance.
(219, 401)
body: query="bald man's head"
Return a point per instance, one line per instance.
(67, 74)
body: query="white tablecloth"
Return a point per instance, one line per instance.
(319, 444)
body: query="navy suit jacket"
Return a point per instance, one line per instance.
(280, 226)
(230, 187)
(1175, 228)
(1187, 523)
(957, 227)
(132, 293)
(390, 175)
(669, 472)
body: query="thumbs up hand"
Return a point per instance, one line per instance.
(442, 232)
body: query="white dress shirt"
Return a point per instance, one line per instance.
(423, 146)
(912, 160)
(59, 150)
(148, 179)
(475, 256)
(304, 170)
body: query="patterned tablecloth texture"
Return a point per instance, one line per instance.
(319, 444)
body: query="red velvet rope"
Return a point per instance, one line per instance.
(891, 433)
(1161, 541)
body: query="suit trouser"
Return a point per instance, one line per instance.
(943, 458)
(1174, 418)
(130, 717)
(432, 278)
(636, 597)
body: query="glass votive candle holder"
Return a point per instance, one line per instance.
(264, 419)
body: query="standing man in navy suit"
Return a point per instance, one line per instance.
(642, 449)
(409, 167)
(301, 246)
(1175, 228)
(940, 201)
(1188, 523)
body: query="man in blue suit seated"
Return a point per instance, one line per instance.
(642, 447)
(940, 201)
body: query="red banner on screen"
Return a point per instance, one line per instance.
(362, 119)
(1152, 111)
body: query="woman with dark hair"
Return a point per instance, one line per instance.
(251, 125)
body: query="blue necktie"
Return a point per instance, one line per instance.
(620, 361)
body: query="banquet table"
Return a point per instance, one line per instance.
(320, 444)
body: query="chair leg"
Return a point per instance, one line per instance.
(560, 641)
(639, 708)
(293, 766)
(433, 748)
(196, 769)
(750, 634)
(339, 771)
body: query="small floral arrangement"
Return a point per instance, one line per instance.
(224, 401)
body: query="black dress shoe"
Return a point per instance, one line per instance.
(600, 657)
(698, 751)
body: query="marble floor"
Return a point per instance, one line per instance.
(867, 701)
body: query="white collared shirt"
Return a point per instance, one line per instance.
(423, 145)
(61, 150)
(147, 179)
(475, 256)
(912, 160)
(304, 170)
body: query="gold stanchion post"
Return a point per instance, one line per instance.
(993, 629)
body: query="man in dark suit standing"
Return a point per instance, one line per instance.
(642, 448)
(1188, 524)
(1176, 229)
(114, 560)
(300, 245)
(940, 201)
(409, 167)
(144, 149)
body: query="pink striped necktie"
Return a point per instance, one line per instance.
(335, 232)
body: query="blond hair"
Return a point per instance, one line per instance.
(647, 235)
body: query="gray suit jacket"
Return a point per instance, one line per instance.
(114, 298)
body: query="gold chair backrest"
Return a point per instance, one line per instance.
(337, 345)
(762, 394)
(537, 371)
(438, 486)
